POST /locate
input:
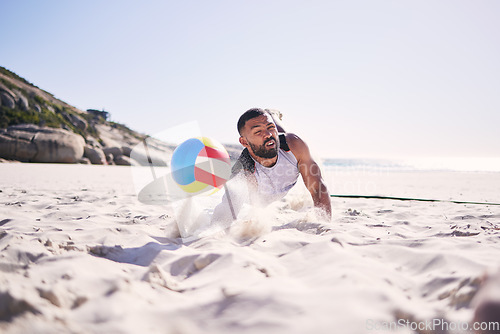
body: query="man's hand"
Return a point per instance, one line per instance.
(311, 174)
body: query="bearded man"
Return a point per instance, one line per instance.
(271, 164)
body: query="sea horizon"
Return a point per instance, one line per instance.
(445, 164)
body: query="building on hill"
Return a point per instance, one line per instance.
(99, 113)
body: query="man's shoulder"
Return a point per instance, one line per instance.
(294, 142)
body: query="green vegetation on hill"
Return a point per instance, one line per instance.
(49, 114)
(11, 74)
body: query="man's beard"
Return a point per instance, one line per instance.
(263, 152)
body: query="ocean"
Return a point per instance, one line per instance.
(464, 164)
(458, 179)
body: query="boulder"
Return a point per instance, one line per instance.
(110, 158)
(114, 150)
(17, 145)
(95, 155)
(127, 150)
(76, 120)
(84, 161)
(93, 142)
(27, 142)
(58, 145)
(7, 100)
(125, 161)
(22, 102)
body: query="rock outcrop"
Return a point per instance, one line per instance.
(37, 127)
(22, 102)
(76, 120)
(95, 155)
(115, 151)
(16, 144)
(31, 143)
(125, 161)
(7, 99)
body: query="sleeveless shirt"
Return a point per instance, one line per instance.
(273, 183)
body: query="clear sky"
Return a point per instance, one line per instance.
(353, 78)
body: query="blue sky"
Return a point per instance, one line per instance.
(353, 78)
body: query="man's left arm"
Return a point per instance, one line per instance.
(311, 173)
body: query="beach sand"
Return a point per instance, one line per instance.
(80, 254)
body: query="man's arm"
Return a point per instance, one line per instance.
(311, 173)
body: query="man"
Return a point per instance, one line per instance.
(271, 163)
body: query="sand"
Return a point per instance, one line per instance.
(80, 254)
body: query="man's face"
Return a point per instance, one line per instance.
(261, 137)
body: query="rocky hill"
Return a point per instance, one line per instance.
(37, 127)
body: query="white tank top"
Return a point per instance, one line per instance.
(275, 182)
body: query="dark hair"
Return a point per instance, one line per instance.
(249, 114)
